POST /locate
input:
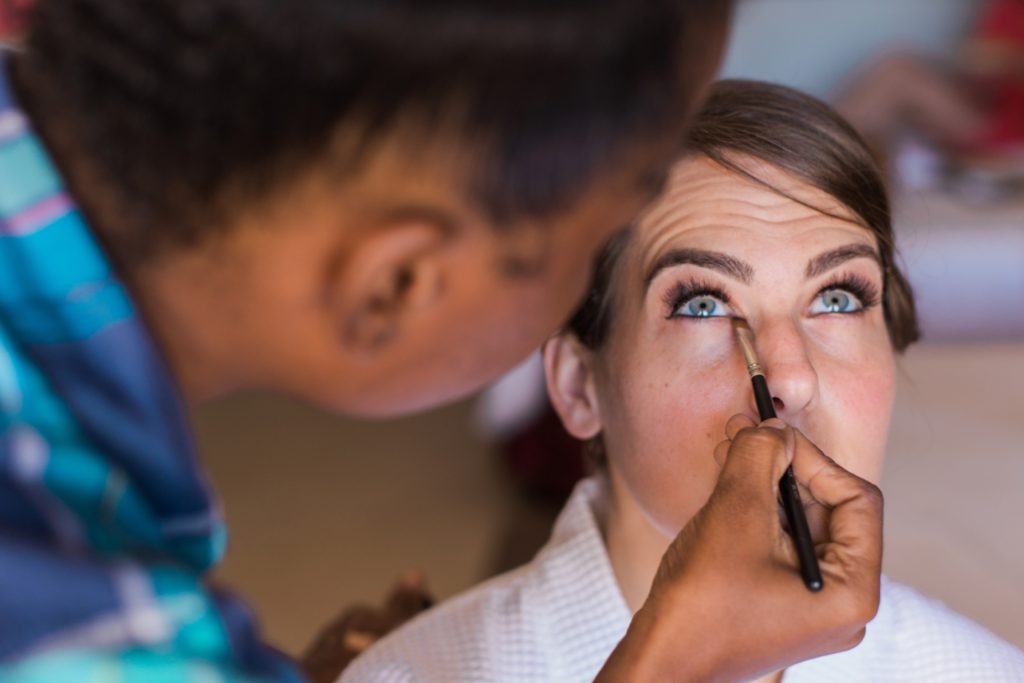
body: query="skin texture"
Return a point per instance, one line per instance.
(663, 388)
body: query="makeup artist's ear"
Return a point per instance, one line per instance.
(388, 275)
(570, 379)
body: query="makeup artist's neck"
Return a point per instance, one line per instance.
(179, 302)
(635, 548)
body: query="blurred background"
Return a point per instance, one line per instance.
(462, 493)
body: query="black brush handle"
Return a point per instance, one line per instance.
(794, 509)
(791, 505)
(765, 406)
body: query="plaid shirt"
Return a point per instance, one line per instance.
(107, 524)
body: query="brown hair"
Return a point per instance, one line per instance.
(802, 136)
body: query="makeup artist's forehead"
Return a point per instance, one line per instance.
(705, 206)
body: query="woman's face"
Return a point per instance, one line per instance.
(670, 374)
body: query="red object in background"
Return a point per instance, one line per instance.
(1003, 22)
(13, 18)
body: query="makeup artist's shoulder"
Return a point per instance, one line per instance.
(917, 638)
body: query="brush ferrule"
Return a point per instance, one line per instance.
(755, 369)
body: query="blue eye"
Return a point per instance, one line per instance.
(697, 299)
(703, 306)
(836, 301)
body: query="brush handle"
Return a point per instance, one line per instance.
(790, 498)
(794, 509)
(763, 397)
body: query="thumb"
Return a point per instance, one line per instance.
(754, 463)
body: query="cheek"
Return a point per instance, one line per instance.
(851, 423)
(664, 408)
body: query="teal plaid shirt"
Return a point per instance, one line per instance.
(107, 525)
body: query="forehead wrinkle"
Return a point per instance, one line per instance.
(697, 201)
(689, 209)
(661, 233)
(727, 210)
(699, 185)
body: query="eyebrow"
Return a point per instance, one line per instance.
(715, 260)
(744, 272)
(830, 259)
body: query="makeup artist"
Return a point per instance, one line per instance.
(376, 208)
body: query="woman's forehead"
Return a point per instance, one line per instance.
(699, 187)
(708, 206)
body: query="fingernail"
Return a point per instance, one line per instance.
(775, 423)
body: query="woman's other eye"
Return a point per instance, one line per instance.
(836, 301)
(702, 306)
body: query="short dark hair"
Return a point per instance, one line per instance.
(173, 101)
(803, 136)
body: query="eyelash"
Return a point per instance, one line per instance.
(862, 288)
(681, 292)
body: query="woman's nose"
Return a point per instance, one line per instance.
(788, 370)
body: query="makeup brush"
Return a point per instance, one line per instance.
(788, 491)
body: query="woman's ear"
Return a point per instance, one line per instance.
(568, 367)
(391, 274)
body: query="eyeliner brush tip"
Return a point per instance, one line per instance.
(745, 337)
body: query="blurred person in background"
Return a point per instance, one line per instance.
(970, 110)
(374, 208)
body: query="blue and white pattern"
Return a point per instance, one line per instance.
(107, 524)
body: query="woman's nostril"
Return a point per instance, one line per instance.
(778, 404)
